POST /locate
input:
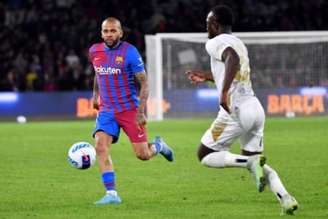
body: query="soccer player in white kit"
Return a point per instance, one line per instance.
(241, 115)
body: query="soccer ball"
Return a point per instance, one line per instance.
(82, 155)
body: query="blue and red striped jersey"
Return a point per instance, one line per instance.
(115, 69)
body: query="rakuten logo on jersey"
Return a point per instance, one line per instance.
(107, 71)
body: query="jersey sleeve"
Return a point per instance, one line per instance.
(215, 48)
(91, 53)
(135, 60)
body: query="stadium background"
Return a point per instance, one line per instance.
(44, 72)
(44, 44)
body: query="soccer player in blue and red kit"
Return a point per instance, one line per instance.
(117, 64)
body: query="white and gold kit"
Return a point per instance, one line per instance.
(247, 117)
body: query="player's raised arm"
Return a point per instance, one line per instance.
(143, 96)
(231, 62)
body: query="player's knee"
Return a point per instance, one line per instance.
(203, 151)
(200, 156)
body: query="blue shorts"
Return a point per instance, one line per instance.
(111, 123)
(106, 122)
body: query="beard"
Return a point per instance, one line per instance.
(112, 43)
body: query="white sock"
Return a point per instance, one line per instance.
(223, 159)
(111, 192)
(274, 182)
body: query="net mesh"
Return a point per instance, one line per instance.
(272, 65)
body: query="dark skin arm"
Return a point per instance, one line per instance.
(95, 94)
(143, 96)
(231, 61)
(197, 76)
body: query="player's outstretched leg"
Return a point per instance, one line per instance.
(164, 149)
(255, 165)
(111, 197)
(287, 202)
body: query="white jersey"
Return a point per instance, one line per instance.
(241, 85)
(246, 120)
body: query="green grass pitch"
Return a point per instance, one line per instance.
(36, 181)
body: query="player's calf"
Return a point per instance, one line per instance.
(143, 156)
(142, 151)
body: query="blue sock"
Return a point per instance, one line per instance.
(108, 179)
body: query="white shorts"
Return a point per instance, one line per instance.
(246, 122)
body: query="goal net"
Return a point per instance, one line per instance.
(280, 62)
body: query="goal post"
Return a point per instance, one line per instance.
(279, 61)
(155, 75)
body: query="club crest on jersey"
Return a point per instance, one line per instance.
(119, 59)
